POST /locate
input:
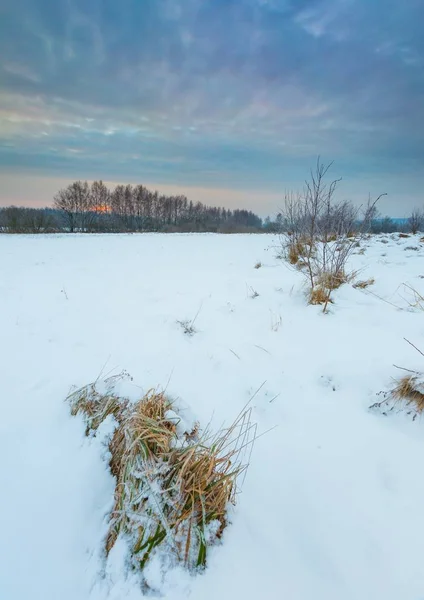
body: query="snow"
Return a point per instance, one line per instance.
(332, 505)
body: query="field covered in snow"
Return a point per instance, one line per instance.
(332, 505)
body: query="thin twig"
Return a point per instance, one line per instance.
(411, 344)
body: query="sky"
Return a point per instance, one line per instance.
(227, 101)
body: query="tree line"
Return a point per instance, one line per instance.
(84, 207)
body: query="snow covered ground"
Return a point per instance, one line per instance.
(332, 506)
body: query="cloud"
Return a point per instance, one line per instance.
(243, 91)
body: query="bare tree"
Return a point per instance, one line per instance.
(415, 221)
(65, 201)
(99, 197)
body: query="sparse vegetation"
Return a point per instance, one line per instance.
(415, 300)
(258, 265)
(173, 483)
(320, 234)
(318, 295)
(363, 284)
(252, 293)
(188, 324)
(187, 327)
(410, 389)
(408, 392)
(276, 321)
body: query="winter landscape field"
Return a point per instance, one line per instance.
(332, 504)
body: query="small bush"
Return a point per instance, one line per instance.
(258, 265)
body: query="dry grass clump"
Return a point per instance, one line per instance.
(318, 295)
(258, 265)
(188, 327)
(332, 280)
(173, 483)
(294, 252)
(404, 235)
(96, 406)
(364, 283)
(297, 249)
(410, 390)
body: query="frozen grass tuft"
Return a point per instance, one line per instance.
(173, 483)
(333, 280)
(364, 283)
(188, 327)
(410, 390)
(319, 296)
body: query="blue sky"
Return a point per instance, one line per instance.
(225, 100)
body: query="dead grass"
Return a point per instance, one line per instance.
(417, 301)
(297, 249)
(364, 283)
(172, 489)
(407, 391)
(258, 265)
(187, 326)
(95, 406)
(404, 235)
(332, 281)
(319, 296)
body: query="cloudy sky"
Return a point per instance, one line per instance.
(228, 101)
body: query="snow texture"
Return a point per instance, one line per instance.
(332, 505)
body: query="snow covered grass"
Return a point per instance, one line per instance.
(331, 507)
(173, 483)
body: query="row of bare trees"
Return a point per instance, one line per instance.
(14, 219)
(94, 207)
